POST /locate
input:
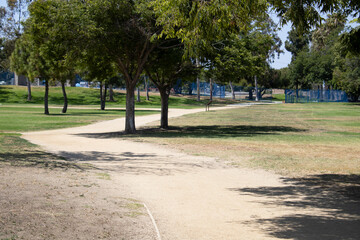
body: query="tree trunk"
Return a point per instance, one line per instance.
(101, 96)
(103, 89)
(138, 94)
(111, 93)
(164, 121)
(65, 97)
(256, 90)
(147, 88)
(46, 98)
(29, 90)
(211, 89)
(198, 82)
(232, 90)
(73, 82)
(104, 97)
(130, 109)
(250, 94)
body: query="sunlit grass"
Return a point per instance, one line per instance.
(293, 139)
(20, 119)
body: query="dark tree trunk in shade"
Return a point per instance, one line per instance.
(46, 98)
(64, 110)
(103, 89)
(164, 123)
(211, 89)
(130, 109)
(250, 94)
(104, 97)
(111, 93)
(29, 90)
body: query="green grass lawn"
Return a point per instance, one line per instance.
(293, 139)
(90, 96)
(15, 118)
(278, 97)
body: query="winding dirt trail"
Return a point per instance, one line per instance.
(190, 197)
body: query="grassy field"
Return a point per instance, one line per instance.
(278, 97)
(17, 118)
(90, 96)
(293, 139)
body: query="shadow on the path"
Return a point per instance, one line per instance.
(331, 202)
(40, 159)
(136, 164)
(214, 131)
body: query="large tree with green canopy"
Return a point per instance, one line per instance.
(164, 68)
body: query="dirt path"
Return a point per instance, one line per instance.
(195, 197)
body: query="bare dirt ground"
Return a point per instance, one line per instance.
(38, 203)
(190, 197)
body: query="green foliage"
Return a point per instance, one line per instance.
(316, 65)
(167, 65)
(307, 14)
(295, 43)
(326, 35)
(244, 55)
(347, 76)
(351, 40)
(200, 23)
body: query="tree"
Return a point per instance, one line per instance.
(11, 29)
(244, 55)
(19, 59)
(27, 59)
(200, 23)
(164, 68)
(295, 43)
(51, 28)
(125, 31)
(97, 68)
(42, 50)
(306, 14)
(346, 75)
(315, 64)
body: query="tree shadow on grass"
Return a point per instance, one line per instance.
(334, 198)
(40, 159)
(5, 93)
(215, 131)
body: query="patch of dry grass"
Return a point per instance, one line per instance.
(294, 139)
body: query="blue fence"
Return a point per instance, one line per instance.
(191, 89)
(305, 96)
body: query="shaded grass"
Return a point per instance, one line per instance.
(293, 139)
